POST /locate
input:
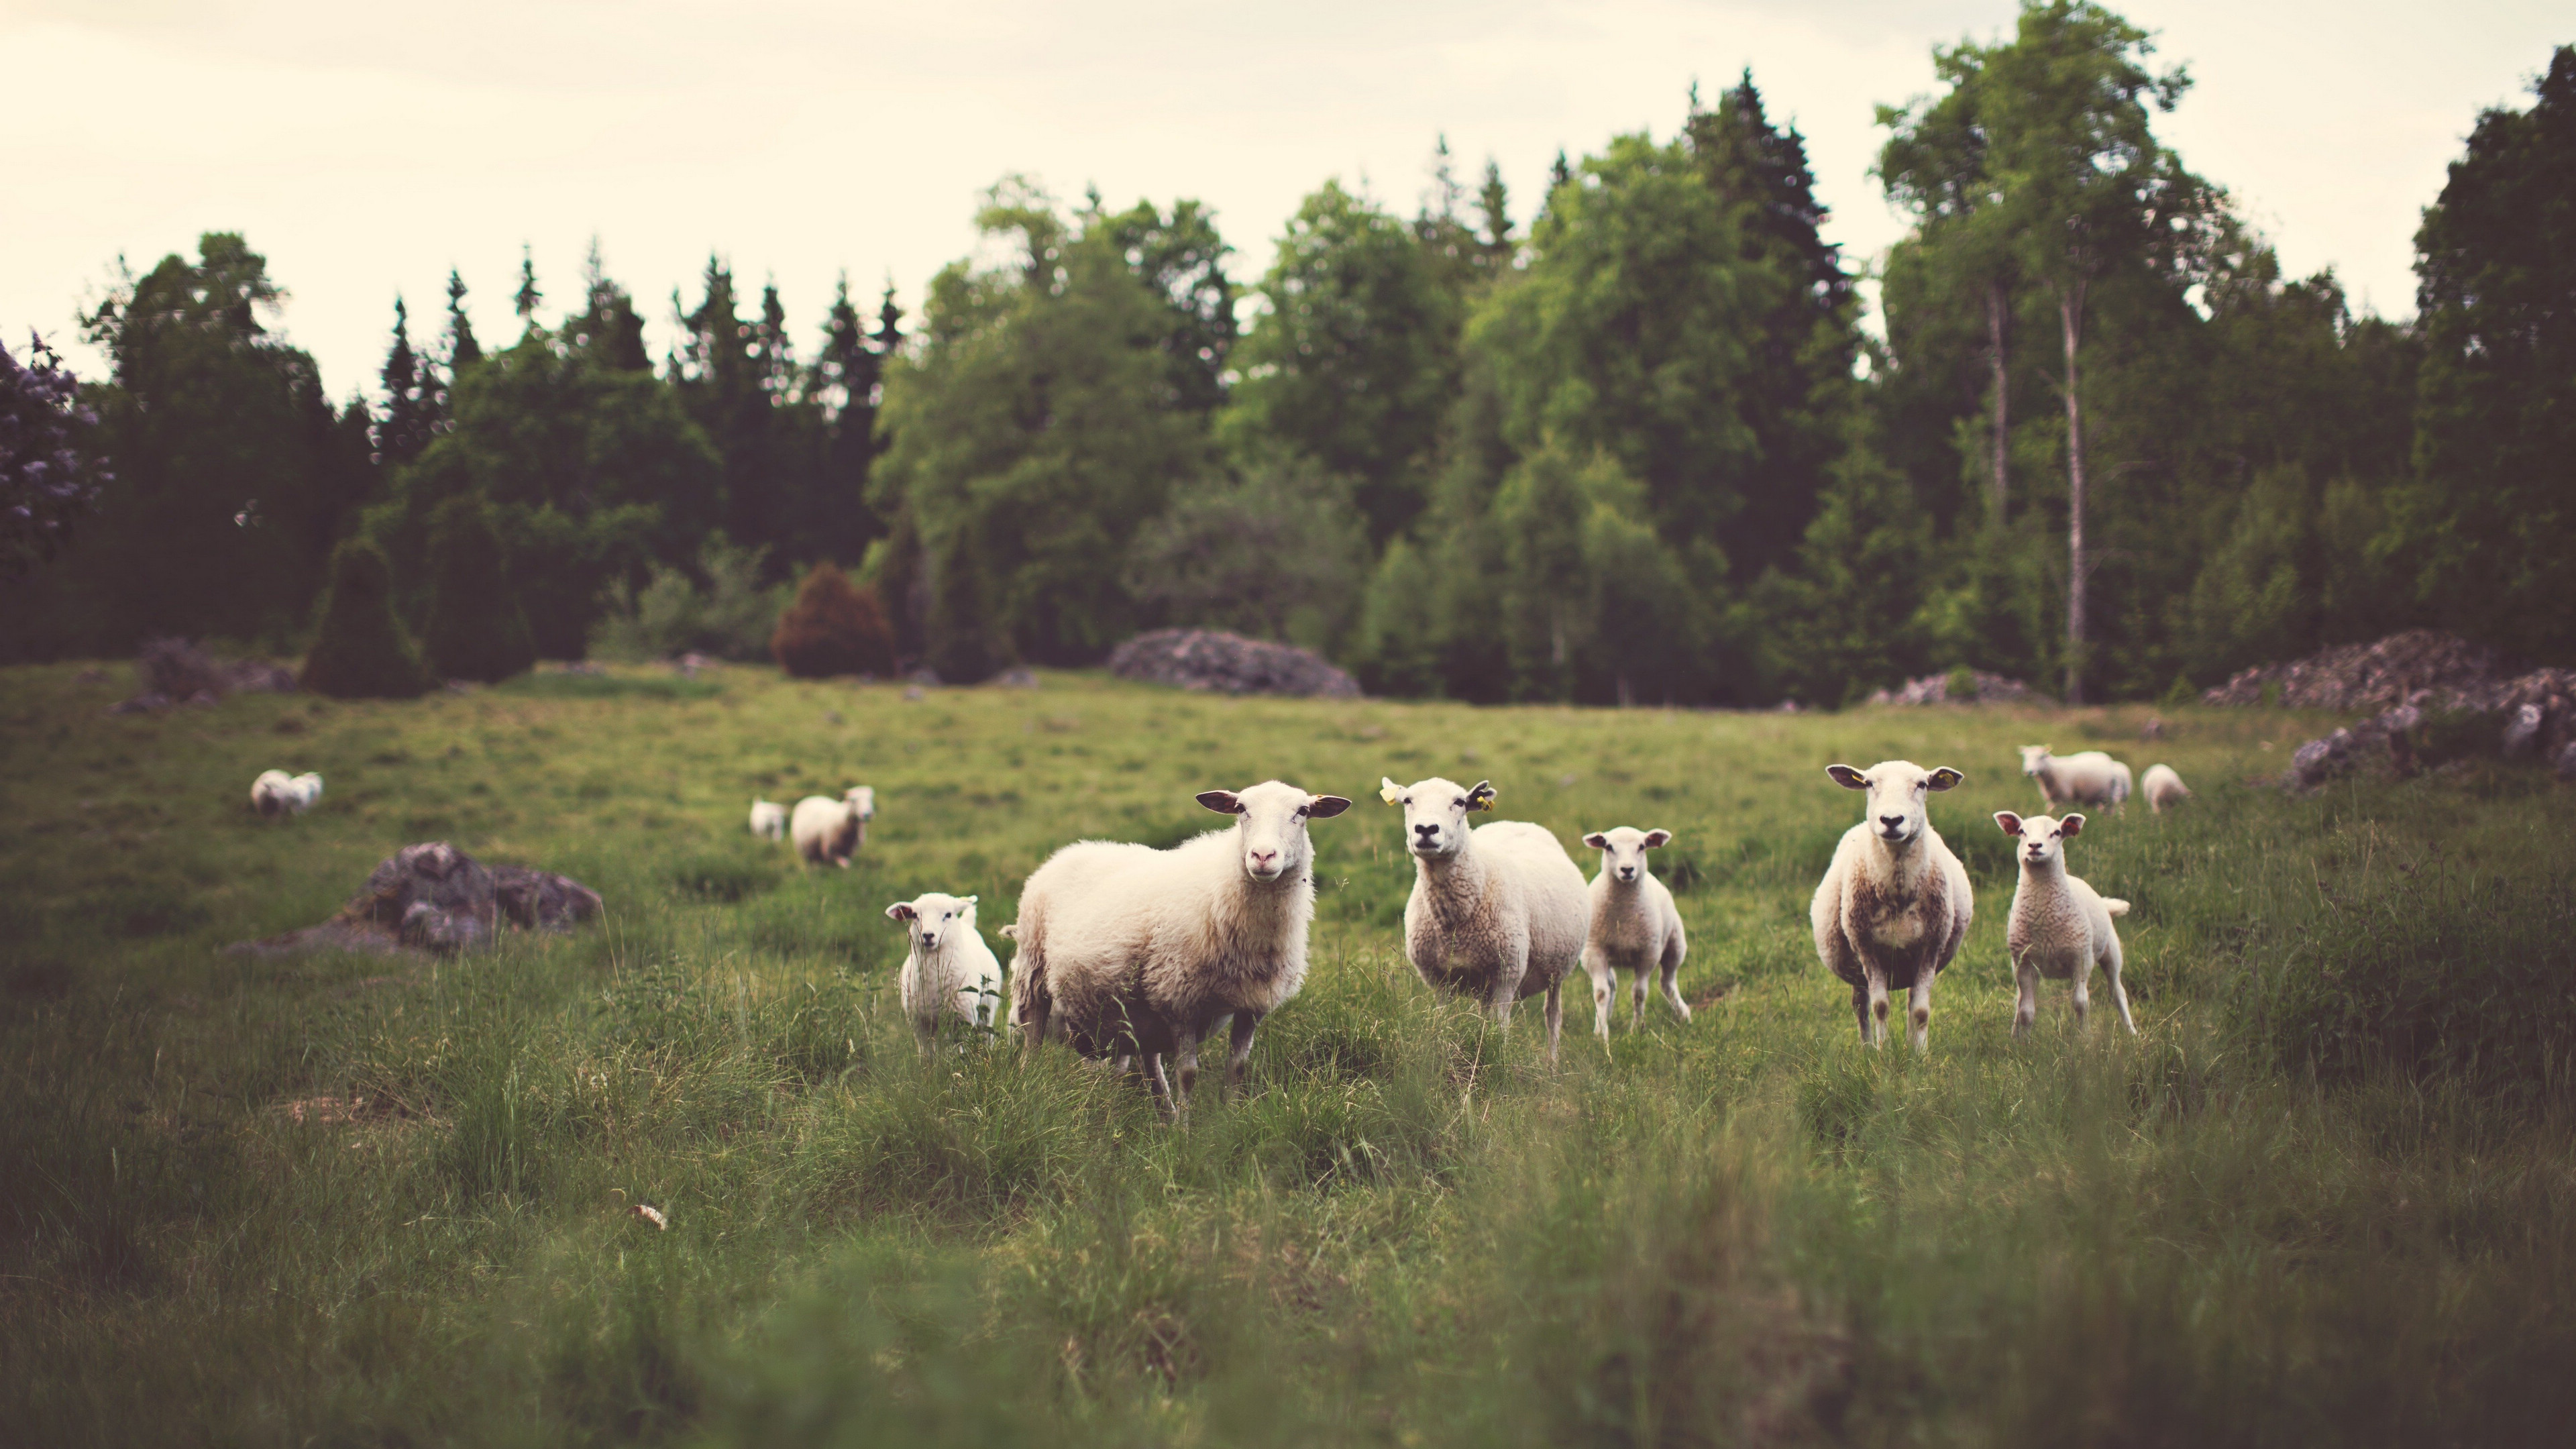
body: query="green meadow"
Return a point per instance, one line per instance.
(2327, 1195)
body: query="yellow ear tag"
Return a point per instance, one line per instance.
(1389, 793)
(1484, 799)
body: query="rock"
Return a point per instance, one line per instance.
(2420, 666)
(1017, 678)
(1983, 688)
(1225, 663)
(2565, 763)
(2153, 729)
(434, 897)
(174, 669)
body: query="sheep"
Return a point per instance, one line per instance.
(827, 829)
(1495, 910)
(2162, 787)
(277, 793)
(2091, 778)
(2060, 926)
(768, 819)
(1135, 954)
(1895, 903)
(1634, 926)
(949, 970)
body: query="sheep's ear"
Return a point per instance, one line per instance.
(1482, 797)
(1597, 840)
(1656, 839)
(1325, 807)
(2010, 822)
(2072, 825)
(1222, 802)
(899, 911)
(1847, 777)
(1944, 778)
(1388, 790)
(970, 900)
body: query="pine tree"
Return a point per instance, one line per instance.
(476, 630)
(462, 350)
(411, 411)
(1497, 247)
(528, 296)
(606, 332)
(360, 651)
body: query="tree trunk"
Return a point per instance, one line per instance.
(2003, 412)
(2070, 321)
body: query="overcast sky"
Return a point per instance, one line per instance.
(366, 149)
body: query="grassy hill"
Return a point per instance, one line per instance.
(2326, 1196)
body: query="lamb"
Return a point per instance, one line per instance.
(2091, 778)
(277, 793)
(950, 972)
(1895, 903)
(827, 829)
(1133, 953)
(1634, 926)
(1496, 910)
(768, 819)
(2162, 787)
(2060, 926)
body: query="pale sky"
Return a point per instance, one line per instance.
(366, 149)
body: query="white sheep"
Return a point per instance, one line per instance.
(277, 793)
(2162, 787)
(949, 972)
(1634, 926)
(2091, 778)
(833, 830)
(2060, 927)
(1895, 903)
(1495, 910)
(1133, 953)
(768, 819)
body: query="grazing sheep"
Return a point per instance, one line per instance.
(1895, 903)
(1495, 910)
(1129, 952)
(2162, 787)
(2091, 778)
(1634, 926)
(950, 971)
(769, 820)
(2060, 926)
(827, 829)
(277, 793)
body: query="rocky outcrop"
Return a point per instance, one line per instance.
(2433, 697)
(1961, 686)
(434, 897)
(1224, 663)
(174, 671)
(2420, 667)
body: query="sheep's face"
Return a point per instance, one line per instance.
(1898, 792)
(1270, 826)
(2034, 758)
(1436, 811)
(862, 800)
(1623, 851)
(930, 919)
(2042, 839)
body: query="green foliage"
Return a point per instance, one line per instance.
(360, 650)
(1276, 554)
(475, 629)
(832, 628)
(724, 610)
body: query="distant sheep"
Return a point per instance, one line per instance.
(1496, 910)
(277, 793)
(1634, 926)
(831, 830)
(949, 971)
(2162, 787)
(2060, 927)
(1134, 953)
(2091, 778)
(769, 820)
(1895, 903)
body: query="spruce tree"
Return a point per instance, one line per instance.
(411, 398)
(476, 630)
(361, 651)
(462, 350)
(606, 332)
(525, 302)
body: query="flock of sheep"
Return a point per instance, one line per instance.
(1134, 956)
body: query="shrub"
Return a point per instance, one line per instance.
(361, 651)
(833, 628)
(476, 630)
(731, 615)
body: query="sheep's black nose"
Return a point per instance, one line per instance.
(1891, 821)
(1426, 831)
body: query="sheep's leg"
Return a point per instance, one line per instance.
(1556, 1018)
(2119, 994)
(1240, 1052)
(927, 1038)
(2026, 1004)
(1860, 1008)
(1187, 1040)
(1672, 992)
(1159, 1086)
(2083, 997)
(1637, 997)
(1919, 1018)
(1605, 987)
(1505, 995)
(1873, 1028)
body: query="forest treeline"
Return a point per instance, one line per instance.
(1639, 449)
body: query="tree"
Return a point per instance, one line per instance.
(49, 478)
(462, 350)
(360, 651)
(2489, 527)
(606, 331)
(525, 300)
(1276, 555)
(475, 629)
(833, 628)
(1181, 259)
(412, 414)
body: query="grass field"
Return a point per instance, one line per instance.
(2326, 1196)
